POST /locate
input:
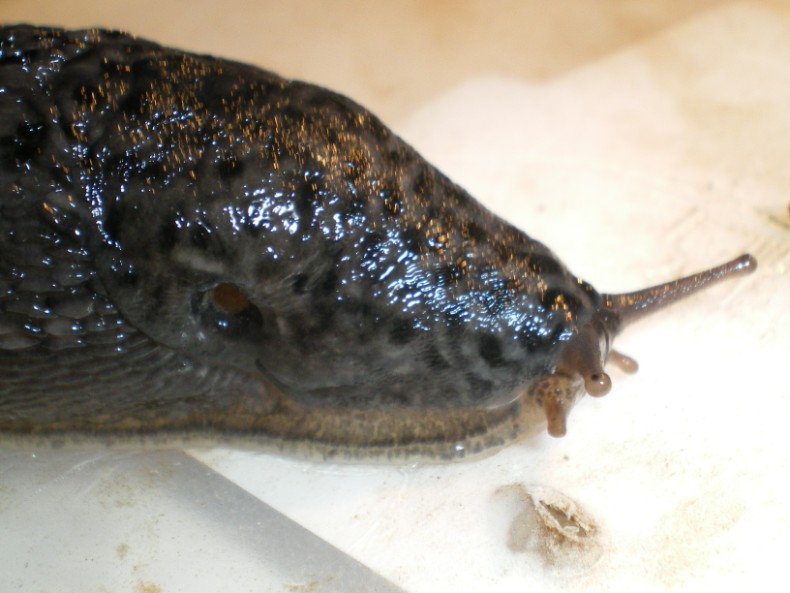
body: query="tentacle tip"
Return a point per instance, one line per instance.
(556, 407)
(597, 384)
(745, 264)
(558, 428)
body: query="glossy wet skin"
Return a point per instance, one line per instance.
(194, 243)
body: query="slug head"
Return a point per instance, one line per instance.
(581, 365)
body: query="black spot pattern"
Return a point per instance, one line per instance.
(490, 349)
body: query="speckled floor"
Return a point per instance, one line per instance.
(641, 141)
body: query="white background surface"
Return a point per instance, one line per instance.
(640, 145)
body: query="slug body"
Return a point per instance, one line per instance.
(192, 244)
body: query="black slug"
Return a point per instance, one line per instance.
(192, 245)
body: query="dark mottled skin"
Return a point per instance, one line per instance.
(377, 279)
(134, 179)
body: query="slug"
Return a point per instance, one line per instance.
(190, 245)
